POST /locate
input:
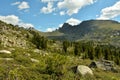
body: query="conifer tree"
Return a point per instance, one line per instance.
(76, 49)
(65, 45)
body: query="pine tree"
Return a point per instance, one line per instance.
(36, 40)
(65, 45)
(39, 41)
(43, 43)
(98, 52)
(76, 49)
(106, 54)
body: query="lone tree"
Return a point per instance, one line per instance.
(39, 41)
(65, 45)
(77, 49)
(43, 43)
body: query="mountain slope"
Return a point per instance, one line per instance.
(15, 36)
(99, 30)
(25, 62)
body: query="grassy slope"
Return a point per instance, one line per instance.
(51, 64)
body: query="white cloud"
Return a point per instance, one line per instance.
(70, 21)
(10, 19)
(15, 3)
(23, 5)
(25, 25)
(15, 20)
(48, 9)
(110, 12)
(53, 28)
(62, 13)
(50, 29)
(46, 1)
(73, 6)
(60, 25)
(96, 15)
(73, 21)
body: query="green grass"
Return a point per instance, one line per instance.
(53, 63)
(52, 66)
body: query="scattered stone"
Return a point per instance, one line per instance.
(37, 51)
(7, 59)
(34, 60)
(27, 54)
(41, 52)
(44, 54)
(103, 65)
(83, 70)
(5, 51)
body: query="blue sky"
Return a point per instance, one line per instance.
(48, 15)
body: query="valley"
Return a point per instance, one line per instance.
(28, 54)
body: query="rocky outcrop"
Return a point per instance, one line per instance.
(10, 41)
(83, 70)
(103, 65)
(12, 36)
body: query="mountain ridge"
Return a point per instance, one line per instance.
(90, 30)
(95, 30)
(32, 56)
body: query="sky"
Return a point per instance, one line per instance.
(48, 15)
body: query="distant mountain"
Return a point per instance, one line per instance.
(97, 30)
(106, 31)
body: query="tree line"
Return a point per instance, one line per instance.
(90, 50)
(39, 41)
(87, 50)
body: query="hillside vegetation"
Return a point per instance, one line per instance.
(32, 56)
(91, 30)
